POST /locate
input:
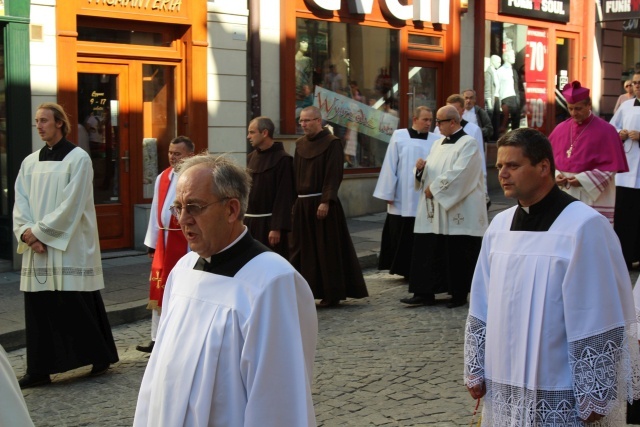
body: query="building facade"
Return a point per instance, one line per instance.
(366, 64)
(133, 74)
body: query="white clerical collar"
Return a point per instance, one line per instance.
(208, 259)
(525, 208)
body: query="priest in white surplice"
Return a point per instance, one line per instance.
(237, 336)
(551, 335)
(396, 186)
(54, 221)
(627, 212)
(474, 131)
(451, 217)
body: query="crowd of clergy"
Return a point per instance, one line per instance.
(551, 336)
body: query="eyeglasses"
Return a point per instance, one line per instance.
(635, 83)
(192, 208)
(438, 121)
(308, 120)
(629, 85)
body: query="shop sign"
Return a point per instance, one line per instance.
(436, 11)
(546, 10)
(140, 5)
(631, 26)
(341, 110)
(535, 65)
(617, 10)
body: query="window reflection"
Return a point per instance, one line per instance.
(351, 73)
(159, 121)
(98, 132)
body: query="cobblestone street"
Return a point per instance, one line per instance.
(378, 363)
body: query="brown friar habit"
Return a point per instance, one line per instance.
(271, 193)
(322, 250)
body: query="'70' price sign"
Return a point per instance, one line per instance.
(535, 64)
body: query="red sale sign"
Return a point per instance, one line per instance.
(535, 65)
(536, 108)
(535, 60)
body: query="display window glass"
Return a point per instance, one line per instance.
(351, 73)
(516, 74)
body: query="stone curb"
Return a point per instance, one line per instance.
(120, 314)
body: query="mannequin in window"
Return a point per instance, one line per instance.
(509, 98)
(492, 91)
(304, 75)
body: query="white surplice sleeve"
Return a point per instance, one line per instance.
(388, 178)
(600, 321)
(151, 238)
(278, 354)
(475, 328)
(456, 183)
(22, 217)
(636, 299)
(13, 408)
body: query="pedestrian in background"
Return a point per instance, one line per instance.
(164, 237)
(627, 95)
(321, 246)
(271, 167)
(396, 185)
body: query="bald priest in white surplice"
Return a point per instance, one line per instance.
(237, 336)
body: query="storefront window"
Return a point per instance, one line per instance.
(505, 74)
(564, 60)
(351, 73)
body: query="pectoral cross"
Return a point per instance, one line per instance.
(569, 151)
(157, 279)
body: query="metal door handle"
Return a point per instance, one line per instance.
(126, 160)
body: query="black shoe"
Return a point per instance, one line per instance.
(99, 369)
(146, 348)
(454, 303)
(326, 303)
(418, 300)
(34, 380)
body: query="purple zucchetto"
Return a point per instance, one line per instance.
(574, 92)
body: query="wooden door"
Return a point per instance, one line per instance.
(103, 130)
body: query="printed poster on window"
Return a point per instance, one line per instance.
(535, 73)
(341, 110)
(536, 108)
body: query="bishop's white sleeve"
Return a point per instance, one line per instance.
(595, 182)
(388, 178)
(278, 354)
(600, 320)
